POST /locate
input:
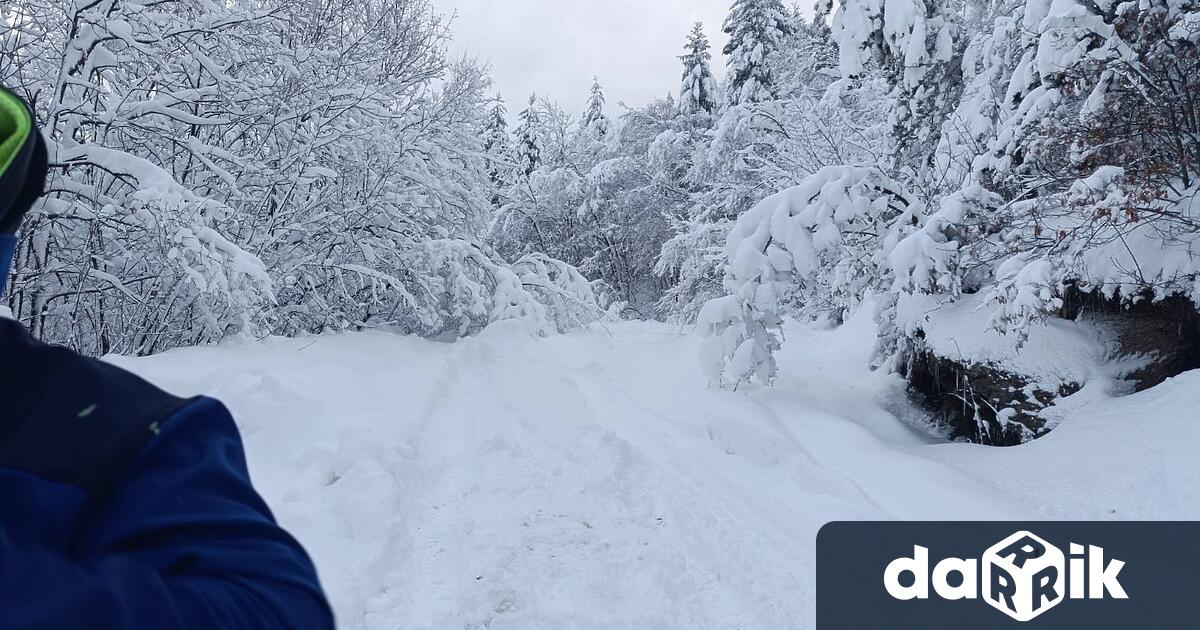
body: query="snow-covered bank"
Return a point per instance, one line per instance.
(593, 481)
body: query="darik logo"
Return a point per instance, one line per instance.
(1022, 576)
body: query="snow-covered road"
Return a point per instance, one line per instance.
(594, 481)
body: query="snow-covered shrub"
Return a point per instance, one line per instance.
(739, 341)
(459, 288)
(570, 300)
(1026, 291)
(694, 260)
(473, 290)
(817, 245)
(928, 259)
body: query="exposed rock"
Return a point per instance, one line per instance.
(981, 402)
(989, 402)
(1161, 339)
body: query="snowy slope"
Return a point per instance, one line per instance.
(592, 481)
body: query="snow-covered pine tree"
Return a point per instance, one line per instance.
(918, 44)
(539, 214)
(498, 149)
(698, 92)
(595, 123)
(529, 139)
(808, 62)
(756, 30)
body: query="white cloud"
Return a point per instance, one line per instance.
(554, 47)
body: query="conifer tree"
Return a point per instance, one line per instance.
(756, 29)
(698, 91)
(498, 148)
(529, 146)
(594, 120)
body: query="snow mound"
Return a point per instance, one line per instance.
(1056, 350)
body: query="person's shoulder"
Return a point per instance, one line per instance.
(71, 419)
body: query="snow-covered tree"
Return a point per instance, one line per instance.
(254, 166)
(1060, 178)
(1034, 149)
(529, 139)
(698, 92)
(498, 149)
(757, 30)
(130, 252)
(819, 241)
(758, 149)
(918, 44)
(598, 205)
(595, 123)
(569, 298)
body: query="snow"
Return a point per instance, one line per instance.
(592, 480)
(1139, 252)
(1057, 351)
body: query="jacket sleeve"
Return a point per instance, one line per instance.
(185, 542)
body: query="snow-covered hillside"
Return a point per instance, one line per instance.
(594, 481)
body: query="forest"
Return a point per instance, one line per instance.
(251, 168)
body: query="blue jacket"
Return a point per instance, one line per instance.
(123, 507)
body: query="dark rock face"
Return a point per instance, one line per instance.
(1164, 334)
(982, 403)
(989, 404)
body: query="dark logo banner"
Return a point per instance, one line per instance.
(978, 575)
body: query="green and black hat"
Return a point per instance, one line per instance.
(22, 173)
(22, 161)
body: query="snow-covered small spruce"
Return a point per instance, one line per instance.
(698, 92)
(594, 120)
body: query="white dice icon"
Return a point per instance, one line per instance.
(1024, 576)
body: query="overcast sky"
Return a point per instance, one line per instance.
(554, 47)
